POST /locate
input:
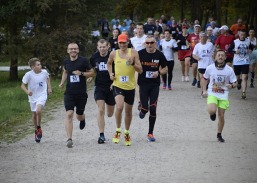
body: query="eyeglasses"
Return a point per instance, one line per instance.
(152, 42)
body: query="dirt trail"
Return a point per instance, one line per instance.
(186, 149)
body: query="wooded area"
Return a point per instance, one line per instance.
(57, 22)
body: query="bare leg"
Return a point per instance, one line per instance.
(100, 115)
(39, 114)
(187, 65)
(119, 108)
(128, 115)
(68, 123)
(244, 82)
(221, 121)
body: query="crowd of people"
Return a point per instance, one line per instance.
(137, 59)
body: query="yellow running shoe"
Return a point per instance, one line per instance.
(127, 139)
(116, 137)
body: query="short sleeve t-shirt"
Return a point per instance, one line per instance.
(167, 48)
(37, 83)
(150, 63)
(205, 52)
(76, 84)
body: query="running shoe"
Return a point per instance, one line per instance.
(187, 79)
(69, 143)
(194, 82)
(150, 137)
(164, 86)
(243, 95)
(116, 137)
(82, 124)
(213, 117)
(183, 79)
(127, 139)
(220, 139)
(36, 138)
(238, 86)
(198, 84)
(101, 140)
(39, 133)
(141, 115)
(169, 87)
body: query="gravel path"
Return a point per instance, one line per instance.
(186, 150)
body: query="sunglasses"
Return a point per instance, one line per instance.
(150, 42)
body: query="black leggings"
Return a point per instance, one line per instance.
(170, 65)
(149, 94)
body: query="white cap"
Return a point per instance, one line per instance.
(224, 27)
(197, 25)
(209, 28)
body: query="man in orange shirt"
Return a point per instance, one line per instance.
(235, 28)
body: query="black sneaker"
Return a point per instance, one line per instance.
(101, 140)
(36, 137)
(243, 95)
(69, 143)
(141, 115)
(82, 124)
(213, 117)
(220, 139)
(198, 84)
(194, 82)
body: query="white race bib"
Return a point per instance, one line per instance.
(149, 74)
(124, 79)
(102, 66)
(183, 47)
(74, 79)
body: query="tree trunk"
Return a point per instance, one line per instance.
(13, 52)
(218, 10)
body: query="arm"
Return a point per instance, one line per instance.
(64, 78)
(24, 88)
(231, 48)
(196, 57)
(109, 65)
(136, 62)
(49, 87)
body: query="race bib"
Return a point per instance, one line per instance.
(102, 66)
(74, 79)
(183, 47)
(149, 74)
(124, 79)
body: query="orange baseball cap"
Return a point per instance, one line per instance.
(122, 38)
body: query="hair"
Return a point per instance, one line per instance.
(32, 61)
(167, 30)
(140, 24)
(102, 41)
(221, 50)
(117, 30)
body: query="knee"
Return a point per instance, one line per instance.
(69, 114)
(109, 114)
(101, 112)
(119, 109)
(38, 112)
(128, 113)
(152, 110)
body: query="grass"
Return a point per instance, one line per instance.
(15, 118)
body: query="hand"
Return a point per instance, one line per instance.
(155, 74)
(130, 60)
(89, 79)
(61, 85)
(204, 94)
(111, 87)
(77, 72)
(112, 77)
(49, 91)
(29, 93)
(237, 51)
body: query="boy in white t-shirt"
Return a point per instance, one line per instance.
(221, 77)
(39, 86)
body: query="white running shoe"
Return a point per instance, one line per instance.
(187, 79)
(183, 79)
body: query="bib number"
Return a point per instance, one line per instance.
(183, 47)
(149, 74)
(102, 66)
(74, 79)
(124, 79)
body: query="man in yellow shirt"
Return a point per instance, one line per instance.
(126, 62)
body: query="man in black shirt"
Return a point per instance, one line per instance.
(75, 69)
(154, 64)
(103, 92)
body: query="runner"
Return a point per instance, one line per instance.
(221, 77)
(39, 86)
(154, 64)
(75, 69)
(168, 46)
(138, 44)
(126, 62)
(241, 48)
(203, 53)
(223, 42)
(103, 93)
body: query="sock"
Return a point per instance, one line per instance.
(38, 127)
(126, 131)
(218, 134)
(101, 134)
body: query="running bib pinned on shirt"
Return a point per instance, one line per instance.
(149, 74)
(183, 47)
(124, 79)
(102, 66)
(74, 79)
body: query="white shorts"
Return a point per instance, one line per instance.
(33, 105)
